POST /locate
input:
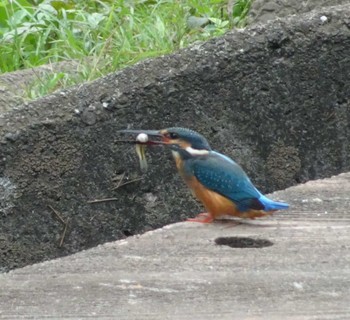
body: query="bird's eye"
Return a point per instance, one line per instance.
(173, 135)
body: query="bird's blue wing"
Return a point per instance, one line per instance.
(224, 176)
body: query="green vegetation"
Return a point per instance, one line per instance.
(105, 35)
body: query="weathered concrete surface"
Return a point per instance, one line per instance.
(265, 10)
(178, 272)
(14, 86)
(273, 97)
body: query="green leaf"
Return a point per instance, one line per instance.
(94, 19)
(196, 22)
(59, 5)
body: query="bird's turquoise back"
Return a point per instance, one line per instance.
(224, 176)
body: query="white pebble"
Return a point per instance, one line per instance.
(323, 19)
(142, 137)
(298, 285)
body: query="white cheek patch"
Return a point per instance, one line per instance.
(195, 152)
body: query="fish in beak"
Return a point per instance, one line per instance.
(143, 138)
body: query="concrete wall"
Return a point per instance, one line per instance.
(265, 10)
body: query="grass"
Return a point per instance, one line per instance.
(105, 35)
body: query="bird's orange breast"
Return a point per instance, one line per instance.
(216, 204)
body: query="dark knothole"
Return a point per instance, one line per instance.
(243, 242)
(127, 233)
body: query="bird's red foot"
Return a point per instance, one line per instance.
(202, 217)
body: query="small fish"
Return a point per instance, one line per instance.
(142, 140)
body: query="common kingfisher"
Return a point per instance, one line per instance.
(214, 179)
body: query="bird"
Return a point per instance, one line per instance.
(217, 181)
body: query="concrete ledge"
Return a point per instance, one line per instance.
(179, 272)
(274, 97)
(265, 10)
(14, 86)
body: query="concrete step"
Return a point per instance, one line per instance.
(294, 265)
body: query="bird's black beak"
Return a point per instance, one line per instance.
(153, 137)
(153, 133)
